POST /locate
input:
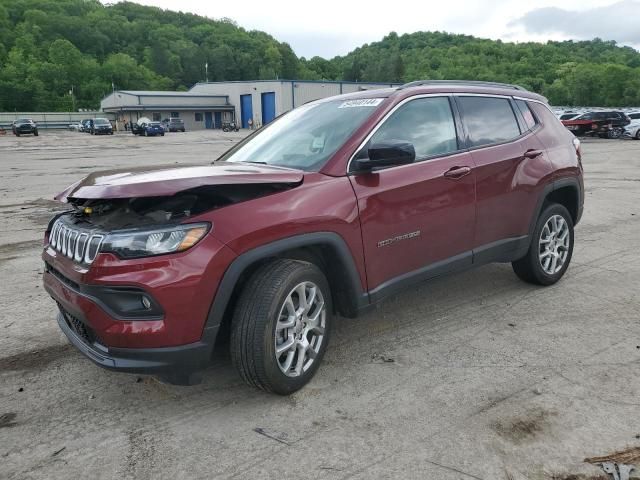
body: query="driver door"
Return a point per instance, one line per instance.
(417, 220)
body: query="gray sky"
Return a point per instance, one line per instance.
(335, 27)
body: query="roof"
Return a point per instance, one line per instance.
(282, 80)
(163, 93)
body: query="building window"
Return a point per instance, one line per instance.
(175, 114)
(198, 117)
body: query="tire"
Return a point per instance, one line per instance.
(638, 135)
(17, 134)
(614, 133)
(257, 327)
(162, 134)
(532, 268)
(35, 133)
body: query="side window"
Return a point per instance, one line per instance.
(488, 120)
(527, 114)
(425, 122)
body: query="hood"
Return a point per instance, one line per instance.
(168, 180)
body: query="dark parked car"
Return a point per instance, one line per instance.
(173, 124)
(101, 126)
(604, 124)
(24, 126)
(85, 125)
(325, 211)
(147, 128)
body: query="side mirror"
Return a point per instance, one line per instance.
(386, 154)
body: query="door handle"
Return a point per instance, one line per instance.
(455, 173)
(532, 153)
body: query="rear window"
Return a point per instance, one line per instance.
(489, 120)
(634, 116)
(529, 119)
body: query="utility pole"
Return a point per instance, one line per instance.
(73, 99)
(206, 72)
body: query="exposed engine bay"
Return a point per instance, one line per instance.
(121, 213)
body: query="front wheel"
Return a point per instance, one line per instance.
(281, 325)
(35, 133)
(551, 248)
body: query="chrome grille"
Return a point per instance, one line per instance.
(80, 245)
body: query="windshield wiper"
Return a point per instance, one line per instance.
(254, 161)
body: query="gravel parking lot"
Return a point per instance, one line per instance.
(477, 376)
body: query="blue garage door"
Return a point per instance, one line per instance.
(268, 107)
(208, 120)
(218, 119)
(246, 110)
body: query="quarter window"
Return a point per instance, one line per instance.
(427, 123)
(527, 115)
(489, 120)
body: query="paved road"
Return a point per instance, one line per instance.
(473, 376)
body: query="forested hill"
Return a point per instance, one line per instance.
(592, 72)
(50, 47)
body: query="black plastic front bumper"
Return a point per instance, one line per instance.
(178, 365)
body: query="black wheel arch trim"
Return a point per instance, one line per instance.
(552, 187)
(247, 259)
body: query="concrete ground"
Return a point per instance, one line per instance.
(476, 376)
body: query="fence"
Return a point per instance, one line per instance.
(51, 119)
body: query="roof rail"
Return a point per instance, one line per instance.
(477, 83)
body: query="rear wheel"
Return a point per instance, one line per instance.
(614, 133)
(638, 134)
(35, 133)
(551, 248)
(281, 325)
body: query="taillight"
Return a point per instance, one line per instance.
(594, 126)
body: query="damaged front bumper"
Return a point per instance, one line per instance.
(177, 365)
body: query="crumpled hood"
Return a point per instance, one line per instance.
(168, 180)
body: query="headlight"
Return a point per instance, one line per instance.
(159, 241)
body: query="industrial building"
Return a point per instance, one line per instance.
(210, 104)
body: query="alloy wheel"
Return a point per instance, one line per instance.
(553, 245)
(300, 329)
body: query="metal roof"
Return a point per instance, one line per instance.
(163, 93)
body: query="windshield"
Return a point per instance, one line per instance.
(101, 121)
(306, 137)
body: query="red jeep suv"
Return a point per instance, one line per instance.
(323, 212)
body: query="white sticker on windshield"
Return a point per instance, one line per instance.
(364, 102)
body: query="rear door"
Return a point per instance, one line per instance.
(417, 220)
(511, 166)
